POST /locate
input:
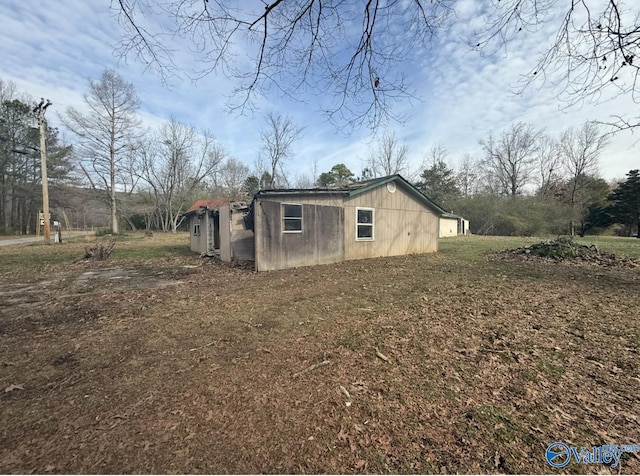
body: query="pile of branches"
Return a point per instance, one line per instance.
(99, 250)
(566, 249)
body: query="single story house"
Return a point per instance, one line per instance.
(285, 228)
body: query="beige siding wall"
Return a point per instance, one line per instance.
(198, 242)
(320, 242)
(402, 223)
(225, 234)
(448, 227)
(322, 200)
(242, 242)
(236, 243)
(465, 227)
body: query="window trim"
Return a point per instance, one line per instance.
(284, 217)
(196, 228)
(372, 224)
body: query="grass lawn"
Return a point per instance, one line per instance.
(157, 361)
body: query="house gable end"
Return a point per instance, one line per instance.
(398, 180)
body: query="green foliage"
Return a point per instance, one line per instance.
(338, 176)
(591, 196)
(20, 174)
(252, 185)
(266, 180)
(131, 249)
(625, 203)
(512, 216)
(438, 182)
(106, 232)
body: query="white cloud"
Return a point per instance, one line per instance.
(54, 51)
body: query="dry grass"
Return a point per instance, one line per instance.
(184, 365)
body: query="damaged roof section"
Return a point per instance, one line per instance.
(201, 206)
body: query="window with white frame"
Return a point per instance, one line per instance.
(364, 224)
(196, 228)
(291, 218)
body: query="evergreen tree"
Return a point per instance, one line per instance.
(20, 174)
(625, 206)
(338, 176)
(251, 185)
(438, 182)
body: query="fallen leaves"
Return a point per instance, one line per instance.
(381, 356)
(448, 364)
(13, 387)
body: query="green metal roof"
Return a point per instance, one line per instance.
(358, 188)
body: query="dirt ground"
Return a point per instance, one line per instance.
(419, 364)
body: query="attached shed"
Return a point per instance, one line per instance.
(236, 235)
(203, 219)
(382, 217)
(218, 226)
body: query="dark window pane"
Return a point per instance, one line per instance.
(292, 224)
(292, 211)
(365, 231)
(365, 216)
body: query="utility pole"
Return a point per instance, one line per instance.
(40, 110)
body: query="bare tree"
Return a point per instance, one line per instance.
(594, 51)
(231, 179)
(436, 153)
(467, 176)
(509, 159)
(388, 157)
(581, 149)
(8, 90)
(105, 134)
(277, 138)
(311, 43)
(175, 163)
(352, 51)
(549, 164)
(304, 181)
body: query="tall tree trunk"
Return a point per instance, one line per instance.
(112, 178)
(130, 223)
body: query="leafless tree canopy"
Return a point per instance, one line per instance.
(174, 164)
(277, 137)
(353, 51)
(230, 179)
(388, 156)
(549, 163)
(349, 51)
(509, 159)
(106, 134)
(581, 149)
(467, 176)
(595, 50)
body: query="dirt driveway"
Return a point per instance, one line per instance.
(416, 364)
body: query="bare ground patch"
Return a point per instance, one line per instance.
(487, 364)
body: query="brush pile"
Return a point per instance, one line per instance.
(566, 249)
(99, 250)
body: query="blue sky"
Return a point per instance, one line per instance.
(53, 49)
